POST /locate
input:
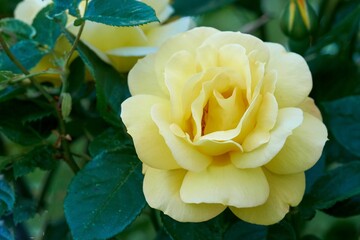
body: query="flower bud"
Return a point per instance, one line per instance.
(66, 103)
(299, 19)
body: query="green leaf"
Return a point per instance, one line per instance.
(213, 229)
(346, 208)
(7, 197)
(60, 6)
(109, 189)
(120, 13)
(337, 185)
(20, 134)
(7, 75)
(110, 140)
(24, 209)
(18, 123)
(41, 157)
(15, 30)
(111, 86)
(48, 30)
(196, 7)
(5, 234)
(244, 230)
(11, 92)
(343, 116)
(281, 231)
(28, 52)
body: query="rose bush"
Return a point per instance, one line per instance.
(223, 120)
(119, 46)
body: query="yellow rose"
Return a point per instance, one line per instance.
(123, 46)
(222, 119)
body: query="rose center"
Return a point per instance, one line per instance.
(223, 110)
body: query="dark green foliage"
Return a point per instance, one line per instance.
(109, 191)
(7, 197)
(336, 186)
(120, 12)
(47, 30)
(343, 117)
(5, 234)
(191, 7)
(24, 209)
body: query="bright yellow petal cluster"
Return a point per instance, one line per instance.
(223, 120)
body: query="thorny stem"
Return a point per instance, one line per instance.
(77, 39)
(64, 142)
(14, 80)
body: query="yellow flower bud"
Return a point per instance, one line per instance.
(299, 19)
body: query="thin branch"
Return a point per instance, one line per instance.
(252, 26)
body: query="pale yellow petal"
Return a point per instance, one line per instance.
(265, 121)
(149, 144)
(162, 191)
(123, 59)
(185, 154)
(27, 9)
(247, 41)
(225, 184)
(189, 41)
(180, 67)
(309, 106)
(302, 149)
(294, 81)
(288, 119)
(158, 35)
(234, 57)
(285, 191)
(215, 148)
(162, 8)
(105, 37)
(142, 78)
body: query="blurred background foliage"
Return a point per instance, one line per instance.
(330, 209)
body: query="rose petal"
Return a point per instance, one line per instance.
(162, 191)
(309, 106)
(294, 80)
(185, 154)
(265, 121)
(188, 41)
(149, 144)
(288, 119)
(162, 8)
(177, 72)
(302, 149)
(225, 184)
(158, 35)
(285, 190)
(247, 41)
(142, 78)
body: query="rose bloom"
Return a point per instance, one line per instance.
(119, 46)
(222, 119)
